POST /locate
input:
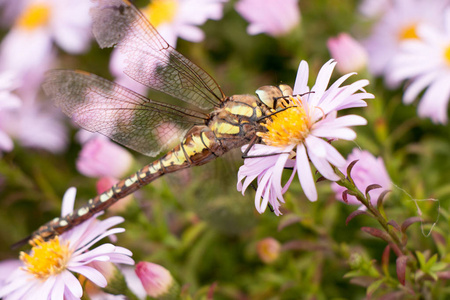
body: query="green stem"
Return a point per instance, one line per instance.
(350, 185)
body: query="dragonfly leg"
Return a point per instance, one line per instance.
(250, 145)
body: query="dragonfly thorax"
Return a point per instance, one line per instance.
(237, 119)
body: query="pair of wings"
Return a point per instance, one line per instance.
(102, 106)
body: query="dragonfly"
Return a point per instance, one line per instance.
(210, 125)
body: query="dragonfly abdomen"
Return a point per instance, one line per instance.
(198, 147)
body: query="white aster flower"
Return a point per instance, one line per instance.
(426, 64)
(35, 125)
(39, 24)
(300, 134)
(48, 271)
(399, 23)
(9, 102)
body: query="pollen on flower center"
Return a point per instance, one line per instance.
(409, 32)
(161, 11)
(34, 16)
(447, 55)
(47, 258)
(288, 127)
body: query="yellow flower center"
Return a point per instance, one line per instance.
(161, 11)
(409, 32)
(47, 258)
(288, 127)
(36, 15)
(447, 55)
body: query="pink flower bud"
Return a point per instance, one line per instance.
(100, 157)
(268, 250)
(157, 280)
(348, 53)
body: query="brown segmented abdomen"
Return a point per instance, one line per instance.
(199, 147)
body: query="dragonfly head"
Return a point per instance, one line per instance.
(271, 95)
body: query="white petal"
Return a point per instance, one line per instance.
(68, 201)
(434, 103)
(91, 274)
(323, 78)
(320, 161)
(262, 185)
(416, 86)
(336, 133)
(109, 232)
(72, 284)
(305, 174)
(301, 81)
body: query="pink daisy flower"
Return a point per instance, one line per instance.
(269, 16)
(300, 134)
(425, 62)
(48, 270)
(368, 170)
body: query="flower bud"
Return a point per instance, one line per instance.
(348, 53)
(100, 157)
(157, 280)
(268, 250)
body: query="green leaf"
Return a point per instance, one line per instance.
(374, 286)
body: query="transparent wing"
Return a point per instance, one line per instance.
(102, 106)
(151, 61)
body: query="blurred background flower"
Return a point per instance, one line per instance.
(268, 250)
(269, 16)
(349, 54)
(100, 157)
(368, 170)
(374, 8)
(173, 19)
(41, 23)
(398, 24)
(425, 63)
(8, 102)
